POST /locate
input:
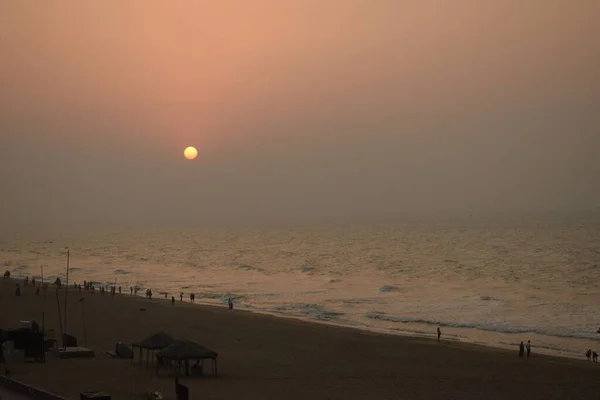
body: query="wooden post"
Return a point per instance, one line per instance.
(59, 317)
(83, 318)
(43, 313)
(66, 292)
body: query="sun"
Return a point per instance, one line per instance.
(190, 153)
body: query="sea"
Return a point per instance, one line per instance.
(481, 281)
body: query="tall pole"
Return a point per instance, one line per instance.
(43, 296)
(66, 292)
(43, 312)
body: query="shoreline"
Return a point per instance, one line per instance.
(561, 354)
(267, 357)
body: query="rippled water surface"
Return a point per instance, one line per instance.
(495, 284)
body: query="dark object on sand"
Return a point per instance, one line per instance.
(94, 395)
(76, 352)
(69, 340)
(123, 351)
(32, 343)
(184, 351)
(158, 341)
(181, 391)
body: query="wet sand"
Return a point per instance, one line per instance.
(265, 357)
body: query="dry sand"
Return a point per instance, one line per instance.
(264, 357)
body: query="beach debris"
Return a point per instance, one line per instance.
(156, 395)
(122, 350)
(110, 354)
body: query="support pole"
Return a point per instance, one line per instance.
(66, 292)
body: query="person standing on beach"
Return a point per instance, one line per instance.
(528, 347)
(594, 357)
(230, 303)
(588, 354)
(521, 349)
(439, 333)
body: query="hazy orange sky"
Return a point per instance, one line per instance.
(300, 109)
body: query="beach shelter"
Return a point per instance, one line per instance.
(158, 341)
(182, 352)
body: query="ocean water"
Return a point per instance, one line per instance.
(481, 282)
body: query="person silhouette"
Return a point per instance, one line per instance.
(521, 349)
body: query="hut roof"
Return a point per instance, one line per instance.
(157, 341)
(186, 350)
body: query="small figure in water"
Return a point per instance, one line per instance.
(192, 297)
(528, 347)
(588, 354)
(521, 349)
(439, 333)
(230, 303)
(181, 296)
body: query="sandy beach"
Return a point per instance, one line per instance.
(264, 357)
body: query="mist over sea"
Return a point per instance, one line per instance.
(481, 281)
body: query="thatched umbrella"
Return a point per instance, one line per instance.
(152, 343)
(184, 351)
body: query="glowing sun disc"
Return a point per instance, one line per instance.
(190, 153)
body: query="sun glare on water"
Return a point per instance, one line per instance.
(190, 153)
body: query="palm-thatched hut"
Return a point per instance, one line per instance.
(184, 351)
(158, 341)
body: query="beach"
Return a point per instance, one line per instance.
(266, 357)
(492, 283)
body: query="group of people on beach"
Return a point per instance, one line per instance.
(591, 355)
(525, 348)
(89, 286)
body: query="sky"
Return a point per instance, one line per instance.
(300, 109)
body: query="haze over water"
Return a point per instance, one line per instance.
(411, 114)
